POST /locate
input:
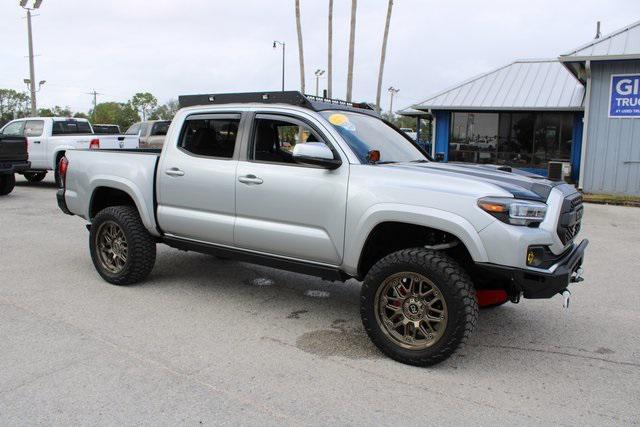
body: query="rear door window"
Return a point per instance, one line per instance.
(213, 136)
(160, 128)
(33, 128)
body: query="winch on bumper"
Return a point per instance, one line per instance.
(538, 283)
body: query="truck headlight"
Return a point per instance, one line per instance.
(514, 211)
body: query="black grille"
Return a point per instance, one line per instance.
(570, 218)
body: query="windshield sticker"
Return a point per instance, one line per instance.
(342, 121)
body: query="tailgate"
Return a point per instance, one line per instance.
(13, 149)
(115, 142)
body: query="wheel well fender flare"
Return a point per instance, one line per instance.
(145, 209)
(414, 215)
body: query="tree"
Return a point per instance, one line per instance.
(352, 40)
(13, 105)
(383, 53)
(144, 102)
(121, 114)
(300, 47)
(56, 111)
(165, 111)
(80, 115)
(330, 51)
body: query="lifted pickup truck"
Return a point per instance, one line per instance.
(50, 137)
(13, 158)
(330, 189)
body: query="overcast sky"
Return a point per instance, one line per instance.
(170, 47)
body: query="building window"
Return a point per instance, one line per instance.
(474, 137)
(523, 140)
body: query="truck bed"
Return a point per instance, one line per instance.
(129, 170)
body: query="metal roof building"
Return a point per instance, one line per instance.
(528, 84)
(534, 113)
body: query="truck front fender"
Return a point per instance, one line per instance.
(416, 215)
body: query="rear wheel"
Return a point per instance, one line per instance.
(418, 306)
(122, 250)
(7, 183)
(35, 176)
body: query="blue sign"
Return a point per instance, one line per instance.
(624, 100)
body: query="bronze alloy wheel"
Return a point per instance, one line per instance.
(112, 248)
(411, 310)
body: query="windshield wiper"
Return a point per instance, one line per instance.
(419, 161)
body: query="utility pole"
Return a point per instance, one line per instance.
(284, 45)
(318, 73)
(95, 99)
(392, 92)
(32, 73)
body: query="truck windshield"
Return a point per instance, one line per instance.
(366, 133)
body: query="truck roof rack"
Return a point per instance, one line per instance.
(296, 98)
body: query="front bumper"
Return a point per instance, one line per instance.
(62, 204)
(534, 283)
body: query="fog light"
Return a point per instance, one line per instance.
(535, 256)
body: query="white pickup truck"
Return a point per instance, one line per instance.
(50, 137)
(330, 189)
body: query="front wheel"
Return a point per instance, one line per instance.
(7, 183)
(122, 250)
(35, 176)
(418, 306)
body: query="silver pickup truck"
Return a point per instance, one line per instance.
(329, 189)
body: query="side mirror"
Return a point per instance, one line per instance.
(315, 153)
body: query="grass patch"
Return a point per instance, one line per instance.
(612, 199)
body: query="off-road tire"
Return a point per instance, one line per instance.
(456, 289)
(141, 245)
(34, 176)
(7, 183)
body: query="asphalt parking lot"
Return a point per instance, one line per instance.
(210, 341)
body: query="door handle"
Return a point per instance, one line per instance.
(174, 172)
(250, 180)
(36, 142)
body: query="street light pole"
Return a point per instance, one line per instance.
(318, 73)
(392, 91)
(32, 73)
(284, 45)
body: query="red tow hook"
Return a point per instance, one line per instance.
(491, 297)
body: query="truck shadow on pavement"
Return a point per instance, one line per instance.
(327, 313)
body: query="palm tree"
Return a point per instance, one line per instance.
(352, 39)
(300, 47)
(383, 53)
(330, 50)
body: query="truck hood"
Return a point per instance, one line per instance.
(522, 184)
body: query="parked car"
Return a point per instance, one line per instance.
(13, 158)
(105, 129)
(151, 133)
(410, 133)
(50, 137)
(353, 198)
